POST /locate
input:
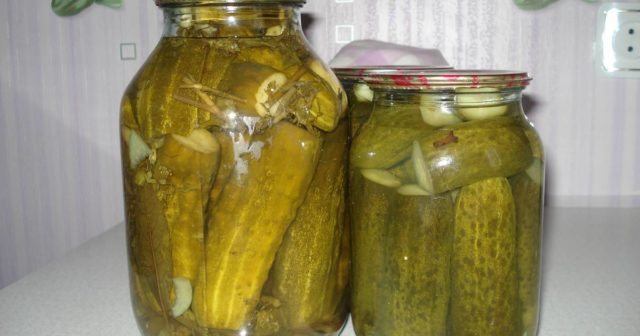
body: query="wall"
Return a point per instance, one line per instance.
(587, 121)
(61, 81)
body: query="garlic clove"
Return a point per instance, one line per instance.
(199, 140)
(184, 295)
(363, 93)
(138, 149)
(535, 171)
(479, 103)
(436, 118)
(412, 190)
(381, 177)
(420, 168)
(437, 114)
(275, 30)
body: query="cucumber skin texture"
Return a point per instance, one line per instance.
(149, 247)
(370, 205)
(154, 108)
(248, 223)
(417, 277)
(479, 153)
(528, 199)
(304, 275)
(484, 298)
(385, 138)
(391, 295)
(188, 189)
(359, 112)
(536, 143)
(482, 149)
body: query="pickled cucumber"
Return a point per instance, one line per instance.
(330, 104)
(335, 307)
(186, 167)
(248, 223)
(385, 139)
(465, 153)
(266, 54)
(151, 247)
(371, 205)
(527, 195)
(536, 143)
(155, 109)
(484, 281)
(359, 113)
(305, 269)
(416, 281)
(257, 83)
(229, 141)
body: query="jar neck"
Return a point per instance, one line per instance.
(465, 96)
(224, 21)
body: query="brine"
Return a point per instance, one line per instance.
(234, 143)
(446, 203)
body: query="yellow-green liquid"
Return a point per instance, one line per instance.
(234, 156)
(459, 255)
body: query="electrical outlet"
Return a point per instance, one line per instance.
(618, 39)
(626, 42)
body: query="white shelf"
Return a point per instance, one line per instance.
(591, 282)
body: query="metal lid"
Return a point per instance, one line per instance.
(408, 78)
(360, 74)
(175, 3)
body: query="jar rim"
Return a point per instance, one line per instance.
(432, 78)
(180, 3)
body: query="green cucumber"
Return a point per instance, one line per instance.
(527, 195)
(417, 278)
(469, 152)
(371, 204)
(385, 138)
(484, 298)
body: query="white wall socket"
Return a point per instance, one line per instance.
(618, 39)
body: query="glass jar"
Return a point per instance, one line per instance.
(445, 202)
(234, 161)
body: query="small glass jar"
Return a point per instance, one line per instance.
(234, 144)
(446, 203)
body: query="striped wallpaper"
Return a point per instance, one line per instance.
(61, 81)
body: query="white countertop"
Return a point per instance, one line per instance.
(591, 282)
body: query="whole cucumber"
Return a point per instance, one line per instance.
(370, 208)
(359, 112)
(527, 195)
(386, 137)
(469, 152)
(416, 281)
(304, 273)
(155, 109)
(484, 298)
(248, 223)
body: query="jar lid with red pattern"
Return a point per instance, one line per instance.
(414, 78)
(176, 3)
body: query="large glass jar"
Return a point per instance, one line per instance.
(234, 162)
(446, 201)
